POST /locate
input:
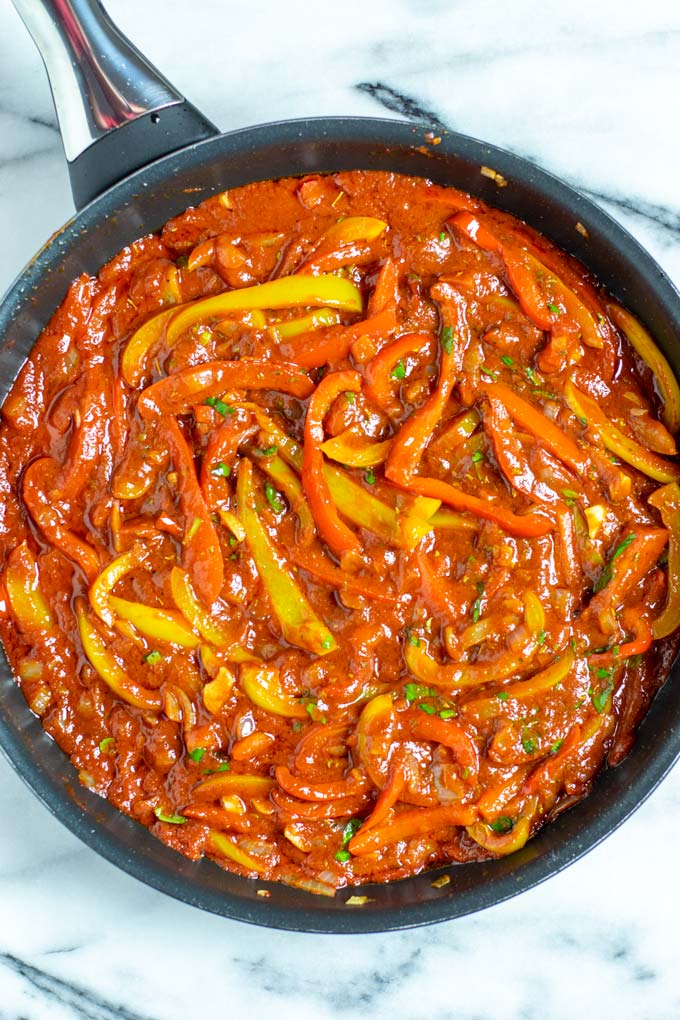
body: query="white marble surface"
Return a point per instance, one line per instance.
(588, 89)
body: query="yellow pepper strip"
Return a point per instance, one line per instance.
(262, 684)
(133, 364)
(224, 784)
(304, 324)
(286, 292)
(353, 501)
(614, 440)
(108, 668)
(22, 582)
(159, 624)
(226, 846)
(216, 692)
(299, 623)
(355, 450)
(187, 602)
(543, 681)
(354, 228)
(232, 522)
(641, 341)
(290, 485)
(449, 520)
(100, 592)
(667, 502)
(376, 714)
(500, 842)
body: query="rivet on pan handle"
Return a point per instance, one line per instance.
(116, 111)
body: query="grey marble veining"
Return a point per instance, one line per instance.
(590, 91)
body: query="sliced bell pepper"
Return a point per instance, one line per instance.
(449, 734)
(353, 228)
(100, 592)
(641, 341)
(227, 847)
(379, 375)
(158, 624)
(289, 484)
(535, 422)
(614, 440)
(262, 684)
(334, 532)
(286, 292)
(185, 598)
(22, 583)
(201, 552)
(667, 502)
(225, 784)
(216, 692)
(628, 565)
(133, 363)
(332, 789)
(410, 824)
(299, 623)
(354, 449)
(107, 667)
(544, 680)
(315, 563)
(175, 394)
(304, 324)
(502, 843)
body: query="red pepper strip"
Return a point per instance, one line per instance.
(201, 553)
(534, 421)
(345, 807)
(510, 456)
(176, 393)
(320, 566)
(320, 742)
(628, 568)
(318, 347)
(385, 294)
(379, 381)
(89, 442)
(526, 526)
(450, 197)
(450, 734)
(521, 275)
(335, 532)
(220, 453)
(354, 784)
(388, 797)
(411, 440)
(549, 770)
(640, 644)
(409, 824)
(40, 478)
(452, 600)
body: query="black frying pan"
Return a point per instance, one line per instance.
(127, 130)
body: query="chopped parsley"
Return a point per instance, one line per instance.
(502, 824)
(352, 827)
(153, 658)
(601, 697)
(106, 745)
(414, 691)
(556, 746)
(349, 397)
(477, 604)
(529, 743)
(555, 309)
(477, 456)
(220, 470)
(446, 338)
(343, 856)
(399, 370)
(224, 766)
(448, 713)
(502, 695)
(327, 642)
(442, 235)
(170, 819)
(428, 709)
(370, 476)
(507, 360)
(197, 754)
(531, 376)
(219, 406)
(606, 575)
(489, 372)
(270, 451)
(274, 498)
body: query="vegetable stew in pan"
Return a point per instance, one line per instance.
(340, 529)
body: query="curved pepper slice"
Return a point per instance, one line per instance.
(22, 582)
(667, 502)
(227, 847)
(614, 440)
(108, 668)
(410, 824)
(262, 684)
(333, 531)
(534, 421)
(380, 378)
(159, 624)
(356, 450)
(286, 292)
(299, 623)
(133, 364)
(641, 341)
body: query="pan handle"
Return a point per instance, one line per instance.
(116, 112)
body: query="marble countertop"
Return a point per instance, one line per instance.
(589, 90)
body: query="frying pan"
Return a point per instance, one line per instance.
(139, 153)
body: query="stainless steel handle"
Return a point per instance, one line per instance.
(102, 84)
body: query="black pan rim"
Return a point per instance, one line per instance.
(314, 914)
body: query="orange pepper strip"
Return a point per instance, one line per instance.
(89, 440)
(549, 769)
(640, 644)
(385, 294)
(410, 442)
(409, 824)
(202, 556)
(534, 421)
(39, 480)
(450, 598)
(451, 734)
(627, 569)
(379, 381)
(221, 450)
(343, 807)
(176, 393)
(331, 790)
(335, 532)
(320, 566)
(387, 798)
(525, 526)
